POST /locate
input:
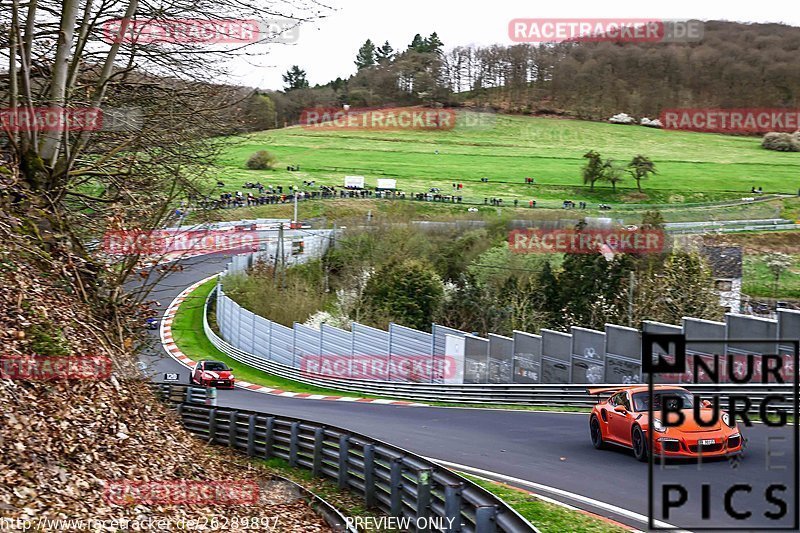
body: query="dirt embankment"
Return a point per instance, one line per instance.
(787, 242)
(64, 444)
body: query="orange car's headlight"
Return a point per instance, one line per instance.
(726, 419)
(658, 426)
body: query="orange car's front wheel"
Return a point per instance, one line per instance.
(639, 444)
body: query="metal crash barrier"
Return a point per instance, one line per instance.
(393, 480)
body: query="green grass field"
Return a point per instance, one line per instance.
(693, 167)
(545, 515)
(758, 281)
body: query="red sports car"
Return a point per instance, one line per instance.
(623, 420)
(212, 374)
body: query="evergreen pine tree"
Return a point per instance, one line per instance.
(366, 55)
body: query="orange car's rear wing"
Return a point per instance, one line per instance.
(603, 390)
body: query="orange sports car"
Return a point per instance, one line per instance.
(623, 420)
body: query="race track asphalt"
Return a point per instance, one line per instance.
(550, 449)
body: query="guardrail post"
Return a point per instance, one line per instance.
(232, 429)
(485, 521)
(396, 486)
(452, 507)
(251, 435)
(211, 396)
(369, 475)
(187, 394)
(212, 424)
(239, 328)
(293, 443)
(269, 342)
(344, 463)
(424, 497)
(389, 355)
(319, 435)
(180, 412)
(269, 437)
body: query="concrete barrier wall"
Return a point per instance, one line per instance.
(556, 356)
(411, 348)
(527, 357)
(623, 355)
(476, 359)
(588, 355)
(580, 356)
(501, 358)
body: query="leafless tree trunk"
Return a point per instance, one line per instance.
(159, 110)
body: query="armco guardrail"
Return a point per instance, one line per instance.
(391, 479)
(178, 395)
(564, 395)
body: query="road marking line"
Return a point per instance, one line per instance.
(562, 504)
(640, 518)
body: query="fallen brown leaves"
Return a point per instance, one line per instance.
(62, 441)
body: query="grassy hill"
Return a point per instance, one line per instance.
(693, 167)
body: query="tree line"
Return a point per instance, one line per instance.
(735, 65)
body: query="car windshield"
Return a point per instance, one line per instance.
(215, 366)
(641, 400)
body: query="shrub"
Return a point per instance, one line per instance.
(408, 292)
(48, 340)
(336, 320)
(261, 160)
(294, 300)
(782, 142)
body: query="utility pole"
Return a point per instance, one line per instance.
(631, 285)
(278, 248)
(283, 258)
(324, 263)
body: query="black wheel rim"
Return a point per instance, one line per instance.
(595, 431)
(638, 443)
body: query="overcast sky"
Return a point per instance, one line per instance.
(326, 48)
